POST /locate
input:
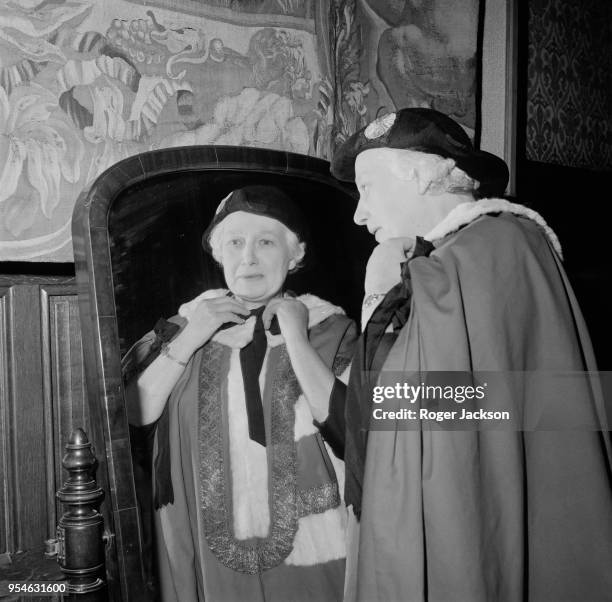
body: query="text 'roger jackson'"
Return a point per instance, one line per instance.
(425, 414)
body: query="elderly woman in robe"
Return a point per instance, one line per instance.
(467, 285)
(247, 494)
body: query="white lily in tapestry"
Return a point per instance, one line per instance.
(37, 150)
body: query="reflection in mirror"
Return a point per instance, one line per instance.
(229, 468)
(155, 232)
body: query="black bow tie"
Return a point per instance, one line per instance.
(258, 313)
(251, 360)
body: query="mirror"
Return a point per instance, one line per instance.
(137, 242)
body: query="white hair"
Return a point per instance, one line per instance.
(297, 249)
(434, 174)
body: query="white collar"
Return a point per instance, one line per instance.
(240, 335)
(465, 213)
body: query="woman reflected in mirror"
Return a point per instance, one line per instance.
(237, 388)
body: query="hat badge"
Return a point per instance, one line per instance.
(379, 126)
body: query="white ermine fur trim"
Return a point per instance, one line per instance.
(318, 309)
(465, 213)
(303, 419)
(344, 377)
(186, 309)
(304, 425)
(239, 335)
(339, 469)
(320, 538)
(248, 461)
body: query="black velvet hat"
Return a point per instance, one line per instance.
(268, 201)
(428, 131)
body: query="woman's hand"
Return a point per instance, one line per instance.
(315, 378)
(147, 396)
(383, 271)
(207, 317)
(292, 317)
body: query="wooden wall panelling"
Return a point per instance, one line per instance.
(25, 419)
(42, 399)
(7, 537)
(64, 383)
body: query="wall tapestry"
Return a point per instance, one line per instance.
(84, 84)
(569, 94)
(425, 54)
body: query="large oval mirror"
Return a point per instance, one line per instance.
(137, 240)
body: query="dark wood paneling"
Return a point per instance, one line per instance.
(6, 477)
(64, 379)
(42, 399)
(27, 415)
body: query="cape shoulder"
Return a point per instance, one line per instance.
(505, 237)
(494, 295)
(466, 213)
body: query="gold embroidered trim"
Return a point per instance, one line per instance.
(318, 499)
(250, 556)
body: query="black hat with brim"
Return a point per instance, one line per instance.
(428, 131)
(268, 201)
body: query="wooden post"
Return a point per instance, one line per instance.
(80, 530)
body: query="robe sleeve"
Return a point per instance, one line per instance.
(332, 429)
(141, 355)
(144, 351)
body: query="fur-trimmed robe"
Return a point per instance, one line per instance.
(247, 521)
(483, 516)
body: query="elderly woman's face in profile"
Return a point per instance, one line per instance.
(255, 256)
(389, 206)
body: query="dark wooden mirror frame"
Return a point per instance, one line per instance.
(93, 250)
